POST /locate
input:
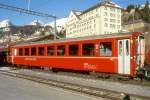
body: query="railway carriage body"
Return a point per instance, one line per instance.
(118, 54)
(3, 55)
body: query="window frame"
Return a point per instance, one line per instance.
(111, 48)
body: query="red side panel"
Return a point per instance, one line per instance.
(104, 64)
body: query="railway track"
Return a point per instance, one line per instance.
(77, 88)
(88, 76)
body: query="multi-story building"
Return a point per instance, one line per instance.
(103, 18)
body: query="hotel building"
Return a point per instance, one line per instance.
(102, 18)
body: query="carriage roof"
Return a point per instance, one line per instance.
(116, 35)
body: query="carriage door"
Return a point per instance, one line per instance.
(124, 56)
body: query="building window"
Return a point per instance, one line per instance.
(94, 25)
(61, 50)
(112, 15)
(105, 14)
(96, 9)
(94, 20)
(112, 20)
(33, 51)
(118, 10)
(118, 26)
(41, 51)
(112, 9)
(88, 49)
(118, 16)
(26, 51)
(106, 25)
(106, 19)
(112, 26)
(97, 15)
(20, 51)
(105, 49)
(73, 50)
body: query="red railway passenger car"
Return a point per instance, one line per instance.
(3, 55)
(122, 54)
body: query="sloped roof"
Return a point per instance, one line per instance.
(76, 13)
(112, 4)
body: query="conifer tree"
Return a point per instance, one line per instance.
(146, 12)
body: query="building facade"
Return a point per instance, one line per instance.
(103, 18)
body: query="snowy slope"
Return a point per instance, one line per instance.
(36, 22)
(59, 22)
(5, 23)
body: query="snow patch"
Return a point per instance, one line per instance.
(59, 22)
(5, 23)
(36, 22)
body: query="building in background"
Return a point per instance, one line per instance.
(103, 18)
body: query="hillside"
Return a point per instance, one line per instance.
(136, 12)
(35, 29)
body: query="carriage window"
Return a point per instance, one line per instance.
(73, 50)
(127, 47)
(20, 51)
(50, 51)
(26, 51)
(41, 51)
(61, 50)
(106, 49)
(120, 48)
(88, 50)
(33, 51)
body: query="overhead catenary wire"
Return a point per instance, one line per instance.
(21, 10)
(30, 12)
